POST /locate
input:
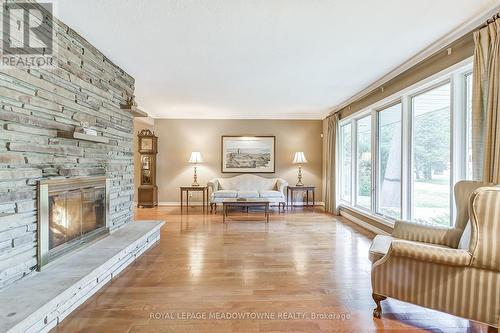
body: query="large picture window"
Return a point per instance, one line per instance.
(389, 161)
(364, 162)
(421, 139)
(431, 151)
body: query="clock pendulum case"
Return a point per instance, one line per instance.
(148, 191)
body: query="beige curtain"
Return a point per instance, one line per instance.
(330, 165)
(486, 104)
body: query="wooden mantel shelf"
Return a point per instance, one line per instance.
(134, 111)
(82, 136)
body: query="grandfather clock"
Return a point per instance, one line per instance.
(147, 191)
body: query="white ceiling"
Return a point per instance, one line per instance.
(260, 58)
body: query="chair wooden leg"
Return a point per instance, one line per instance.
(377, 312)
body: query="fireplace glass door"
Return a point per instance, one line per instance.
(72, 212)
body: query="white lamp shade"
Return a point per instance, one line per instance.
(195, 157)
(299, 158)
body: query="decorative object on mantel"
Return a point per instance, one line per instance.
(195, 159)
(84, 132)
(87, 129)
(299, 159)
(131, 106)
(248, 154)
(147, 192)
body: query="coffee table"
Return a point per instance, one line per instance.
(245, 203)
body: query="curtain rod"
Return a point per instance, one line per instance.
(490, 20)
(474, 26)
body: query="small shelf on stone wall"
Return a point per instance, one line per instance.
(82, 136)
(133, 110)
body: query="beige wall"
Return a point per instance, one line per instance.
(178, 137)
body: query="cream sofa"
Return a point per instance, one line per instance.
(247, 186)
(441, 268)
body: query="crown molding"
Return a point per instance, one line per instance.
(435, 47)
(146, 120)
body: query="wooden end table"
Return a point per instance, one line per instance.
(191, 188)
(245, 203)
(291, 189)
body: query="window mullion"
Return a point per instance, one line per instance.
(354, 159)
(455, 154)
(339, 162)
(374, 161)
(459, 138)
(459, 135)
(406, 163)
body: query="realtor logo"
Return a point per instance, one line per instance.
(27, 34)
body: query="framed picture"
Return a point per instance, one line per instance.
(248, 154)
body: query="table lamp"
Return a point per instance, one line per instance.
(299, 159)
(195, 159)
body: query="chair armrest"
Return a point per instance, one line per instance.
(281, 186)
(429, 253)
(427, 233)
(213, 184)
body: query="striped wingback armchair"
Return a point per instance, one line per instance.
(434, 273)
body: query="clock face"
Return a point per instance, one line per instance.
(147, 144)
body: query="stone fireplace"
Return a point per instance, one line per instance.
(62, 188)
(72, 212)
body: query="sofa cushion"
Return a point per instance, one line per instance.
(225, 194)
(270, 194)
(247, 182)
(226, 184)
(248, 194)
(380, 246)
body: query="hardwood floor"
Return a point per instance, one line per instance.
(302, 264)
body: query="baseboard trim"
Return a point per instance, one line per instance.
(178, 203)
(363, 224)
(316, 203)
(198, 203)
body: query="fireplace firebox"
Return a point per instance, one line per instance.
(72, 212)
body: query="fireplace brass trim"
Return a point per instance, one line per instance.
(43, 220)
(45, 188)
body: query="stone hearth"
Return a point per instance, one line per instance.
(41, 302)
